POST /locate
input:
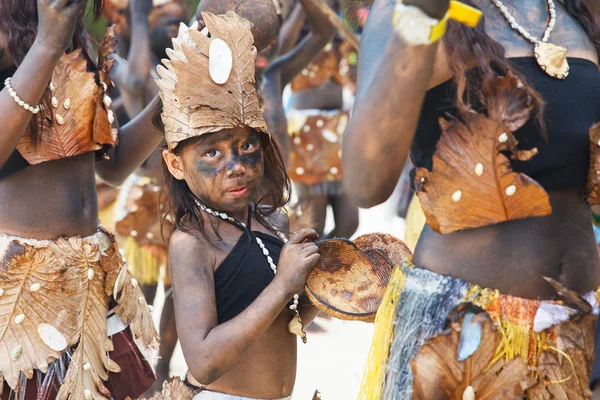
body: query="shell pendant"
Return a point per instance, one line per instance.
(552, 59)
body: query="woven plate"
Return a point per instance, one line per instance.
(349, 282)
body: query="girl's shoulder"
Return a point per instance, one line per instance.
(278, 220)
(187, 246)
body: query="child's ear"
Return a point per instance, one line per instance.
(174, 163)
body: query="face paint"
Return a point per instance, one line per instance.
(226, 169)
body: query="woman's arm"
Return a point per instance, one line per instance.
(57, 22)
(132, 77)
(137, 140)
(392, 81)
(211, 350)
(291, 64)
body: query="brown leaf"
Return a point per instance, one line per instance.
(393, 247)
(472, 183)
(193, 103)
(317, 395)
(143, 216)
(175, 389)
(572, 298)
(108, 47)
(23, 269)
(349, 283)
(575, 338)
(133, 310)
(85, 124)
(593, 182)
(437, 374)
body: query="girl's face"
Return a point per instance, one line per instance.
(223, 169)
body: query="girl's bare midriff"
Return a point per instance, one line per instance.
(270, 363)
(513, 257)
(52, 199)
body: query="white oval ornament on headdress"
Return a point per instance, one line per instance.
(220, 61)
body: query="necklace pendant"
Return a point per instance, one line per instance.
(552, 59)
(296, 327)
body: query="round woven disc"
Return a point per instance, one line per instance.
(393, 247)
(349, 283)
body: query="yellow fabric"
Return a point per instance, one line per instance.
(459, 12)
(382, 339)
(147, 263)
(415, 221)
(107, 217)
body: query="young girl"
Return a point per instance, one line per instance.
(235, 283)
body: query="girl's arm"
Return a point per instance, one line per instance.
(57, 21)
(211, 350)
(392, 81)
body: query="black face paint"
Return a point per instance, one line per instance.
(207, 169)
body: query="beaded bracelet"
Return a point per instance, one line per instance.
(18, 100)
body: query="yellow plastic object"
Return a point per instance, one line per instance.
(459, 12)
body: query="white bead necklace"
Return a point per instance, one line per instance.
(551, 58)
(295, 326)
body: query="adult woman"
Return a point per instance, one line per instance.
(507, 250)
(235, 282)
(60, 270)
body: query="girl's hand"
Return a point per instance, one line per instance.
(297, 260)
(57, 20)
(434, 8)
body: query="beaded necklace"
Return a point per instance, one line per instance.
(295, 326)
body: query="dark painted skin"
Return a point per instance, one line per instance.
(393, 78)
(252, 355)
(58, 198)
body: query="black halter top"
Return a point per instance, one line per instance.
(572, 107)
(244, 273)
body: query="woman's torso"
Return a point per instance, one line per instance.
(268, 368)
(52, 199)
(515, 256)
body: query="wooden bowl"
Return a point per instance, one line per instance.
(350, 280)
(262, 14)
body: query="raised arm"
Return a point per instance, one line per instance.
(211, 350)
(290, 30)
(137, 140)
(133, 76)
(291, 64)
(57, 22)
(392, 81)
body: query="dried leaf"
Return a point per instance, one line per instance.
(393, 247)
(85, 124)
(143, 216)
(22, 267)
(174, 389)
(572, 298)
(105, 62)
(439, 375)
(133, 310)
(349, 283)
(317, 395)
(193, 103)
(575, 338)
(593, 182)
(472, 183)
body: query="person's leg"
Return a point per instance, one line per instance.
(317, 206)
(345, 215)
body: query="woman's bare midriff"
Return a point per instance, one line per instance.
(52, 199)
(269, 364)
(515, 256)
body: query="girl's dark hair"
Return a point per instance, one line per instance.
(273, 194)
(468, 47)
(19, 19)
